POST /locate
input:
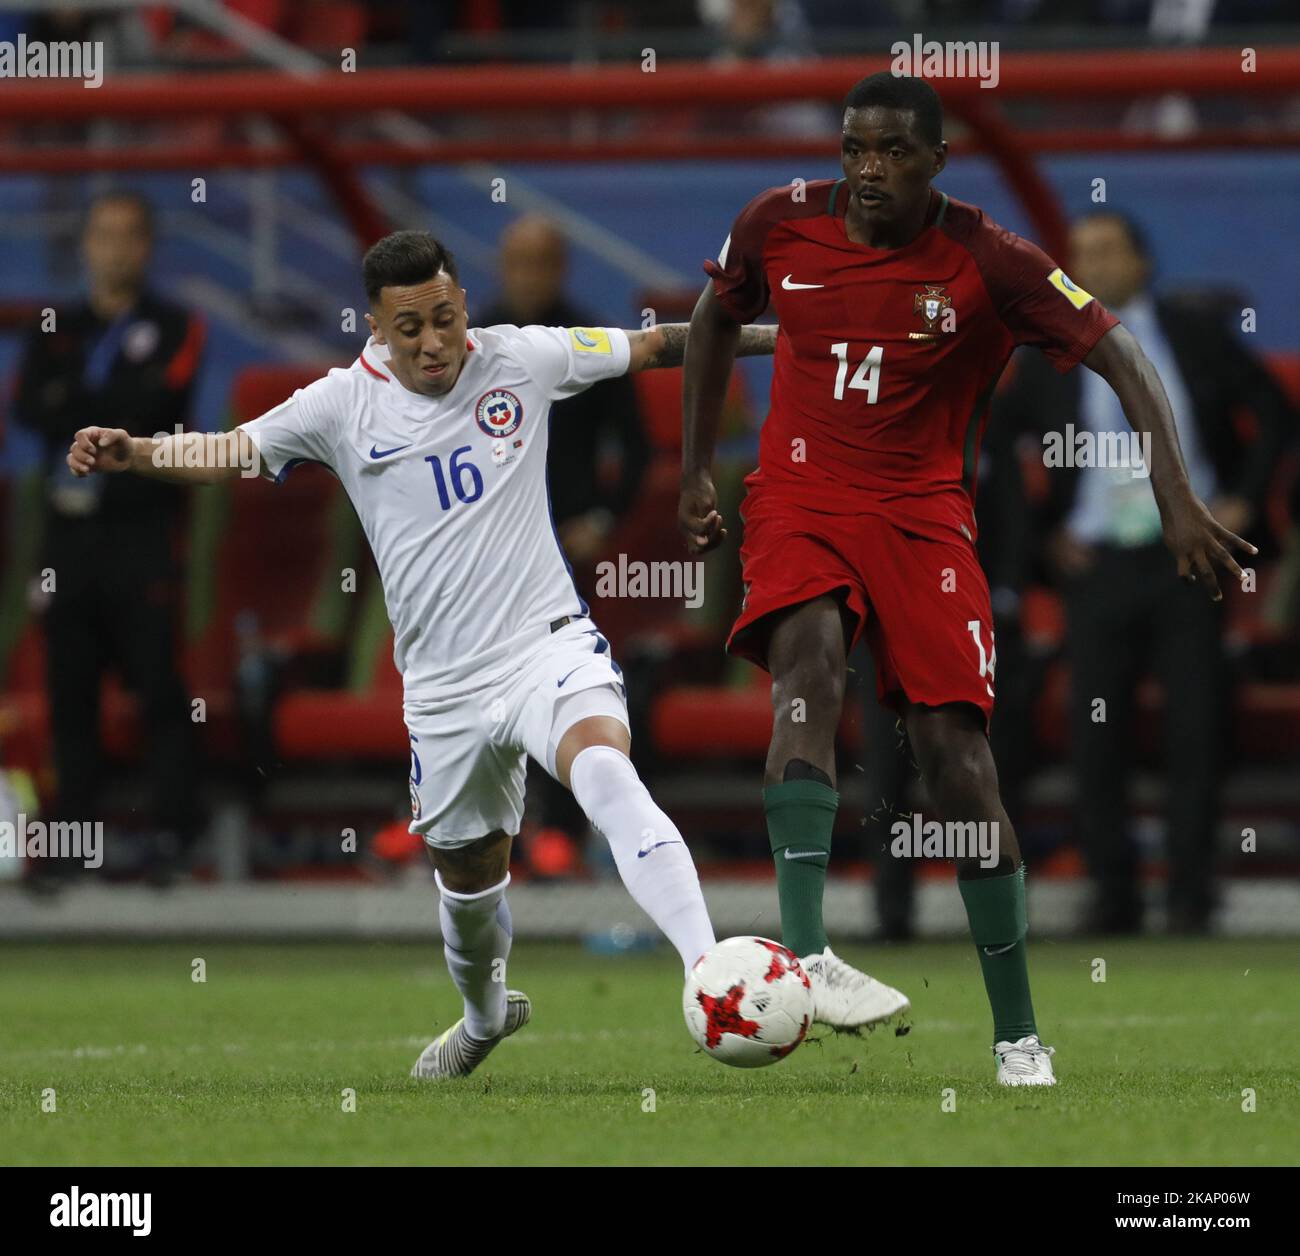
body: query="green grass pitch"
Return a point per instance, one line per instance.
(250, 1067)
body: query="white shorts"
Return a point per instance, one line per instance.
(467, 753)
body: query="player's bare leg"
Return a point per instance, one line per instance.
(952, 750)
(807, 656)
(653, 860)
(476, 933)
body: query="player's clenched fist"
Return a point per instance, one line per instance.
(99, 449)
(697, 515)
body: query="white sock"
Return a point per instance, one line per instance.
(476, 933)
(652, 858)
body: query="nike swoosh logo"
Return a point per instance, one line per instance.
(559, 684)
(790, 287)
(383, 453)
(645, 850)
(803, 854)
(999, 950)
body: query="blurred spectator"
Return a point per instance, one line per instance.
(122, 357)
(586, 431)
(601, 423)
(769, 30)
(1126, 608)
(753, 29)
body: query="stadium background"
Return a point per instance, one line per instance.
(643, 173)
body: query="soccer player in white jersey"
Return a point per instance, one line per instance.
(439, 435)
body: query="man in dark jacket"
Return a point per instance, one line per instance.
(1126, 609)
(121, 356)
(533, 265)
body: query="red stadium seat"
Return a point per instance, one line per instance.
(712, 721)
(24, 711)
(362, 721)
(1286, 370)
(272, 551)
(660, 395)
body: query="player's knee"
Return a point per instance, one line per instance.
(811, 691)
(962, 772)
(474, 867)
(595, 730)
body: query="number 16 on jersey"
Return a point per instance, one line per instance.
(458, 471)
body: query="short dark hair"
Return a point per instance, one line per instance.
(404, 258)
(891, 91)
(1137, 236)
(122, 196)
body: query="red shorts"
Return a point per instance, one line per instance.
(922, 603)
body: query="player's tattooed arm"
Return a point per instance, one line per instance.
(1196, 539)
(665, 345)
(182, 458)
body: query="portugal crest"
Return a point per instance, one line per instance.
(499, 412)
(931, 304)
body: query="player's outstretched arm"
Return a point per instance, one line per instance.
(714, 342)
(183, 458)
(665, 345)
(1195, 537)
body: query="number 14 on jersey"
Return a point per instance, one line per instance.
(866, 377)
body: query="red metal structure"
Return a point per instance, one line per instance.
(311, 109)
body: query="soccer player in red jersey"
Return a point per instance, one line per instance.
(898, 308)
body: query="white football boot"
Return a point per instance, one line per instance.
(845, 998)
(455, 1054)
(1025, 1063)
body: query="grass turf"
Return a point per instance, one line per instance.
(250, 1067)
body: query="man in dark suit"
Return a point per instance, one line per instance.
(533, 264)
(122, 355)
(1126, 609)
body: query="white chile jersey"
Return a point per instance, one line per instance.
(452, 492)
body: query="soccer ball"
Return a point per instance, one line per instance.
(748, 1002)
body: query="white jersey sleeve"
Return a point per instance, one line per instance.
(305, 428)
(566, 360)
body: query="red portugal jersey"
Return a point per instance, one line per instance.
(887, 358)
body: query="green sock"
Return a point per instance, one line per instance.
(800, 817)
(995, 907)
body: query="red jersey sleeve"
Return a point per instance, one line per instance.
(739, 281)
(1035, 299)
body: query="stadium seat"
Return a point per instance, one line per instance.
(361, 721)
(660, 396)
(266, 565)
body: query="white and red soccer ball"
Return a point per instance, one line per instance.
(748, 1002)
